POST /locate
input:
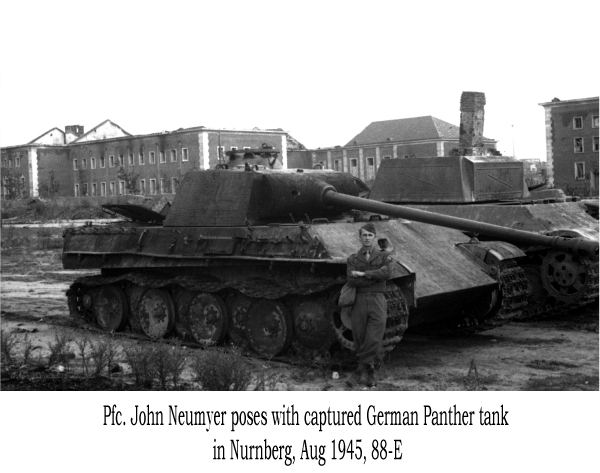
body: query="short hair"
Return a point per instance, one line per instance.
(369, 227)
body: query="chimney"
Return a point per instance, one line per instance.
(72, 132)
(471, 123)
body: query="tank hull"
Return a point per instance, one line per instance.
(297, 266)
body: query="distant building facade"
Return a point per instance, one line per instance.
(403, 138)
(572, 145)
(108, 161)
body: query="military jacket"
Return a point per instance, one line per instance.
(377, 269)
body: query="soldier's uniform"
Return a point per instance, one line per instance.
(369, 311)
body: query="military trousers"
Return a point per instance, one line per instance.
(369, 314)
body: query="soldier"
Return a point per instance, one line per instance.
(367, 271)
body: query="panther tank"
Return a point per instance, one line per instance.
(258, 257)
(492, 189)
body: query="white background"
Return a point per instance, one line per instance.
(65, 432)
(322, 70)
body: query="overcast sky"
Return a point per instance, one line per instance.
(320, 70)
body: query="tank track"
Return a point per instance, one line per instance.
(513, 287)
(549, 309)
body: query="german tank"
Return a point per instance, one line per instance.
(492, 189)
(259, 257)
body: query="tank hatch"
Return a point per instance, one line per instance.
(137, 213)
(455, 179)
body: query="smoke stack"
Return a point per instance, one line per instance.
(72, 132)
(472, 106)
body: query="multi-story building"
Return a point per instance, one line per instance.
(108, 161)
(403, 138)
(572, 145)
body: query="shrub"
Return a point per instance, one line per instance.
(59, 349)
(169, 363)
(98, 355)
(44, 236)
(13, 238)
(221, 371)
(9, 342)
(266, 381)
(27, 349)
(82, 344)
(111, 354)
(141, 360)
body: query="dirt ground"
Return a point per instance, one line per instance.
(552, 353)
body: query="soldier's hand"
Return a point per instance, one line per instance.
(357, 274)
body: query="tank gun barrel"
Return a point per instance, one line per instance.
(579, 246)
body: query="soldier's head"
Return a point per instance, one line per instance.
(367, 234)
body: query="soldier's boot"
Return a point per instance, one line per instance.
(371, 379)
(356, 377)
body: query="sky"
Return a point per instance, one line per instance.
(320, 70)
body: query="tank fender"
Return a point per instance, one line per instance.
(489, 254)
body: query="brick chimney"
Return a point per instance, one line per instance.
(72, 132)
(472, 106)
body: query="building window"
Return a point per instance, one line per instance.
(112, 188)
(174, 184)
(354, 167)
(121, 187)
(162, 157)
(233, 148)
(152, 157)
(141, 158)
(595, 144)
(22, 181)
(111, 161)
(84, 190)
(163, 185)
(84, 163)
(75, 166)
(102, 162)
(76, 190)
(143, 186)
(184, 154)
(387, 157)
(152, 186)
(10, 163)
(580, 171)
(173, 155)
(220, 152)
(130, 158)
(103, 189)
(595, 121)
(121, 160)
(5, 162)
(337, 165)
(94, 189)
(92, 163)
(370, 168)
(577, 123)
(17, 162)
(246, 147)
(578, 145)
